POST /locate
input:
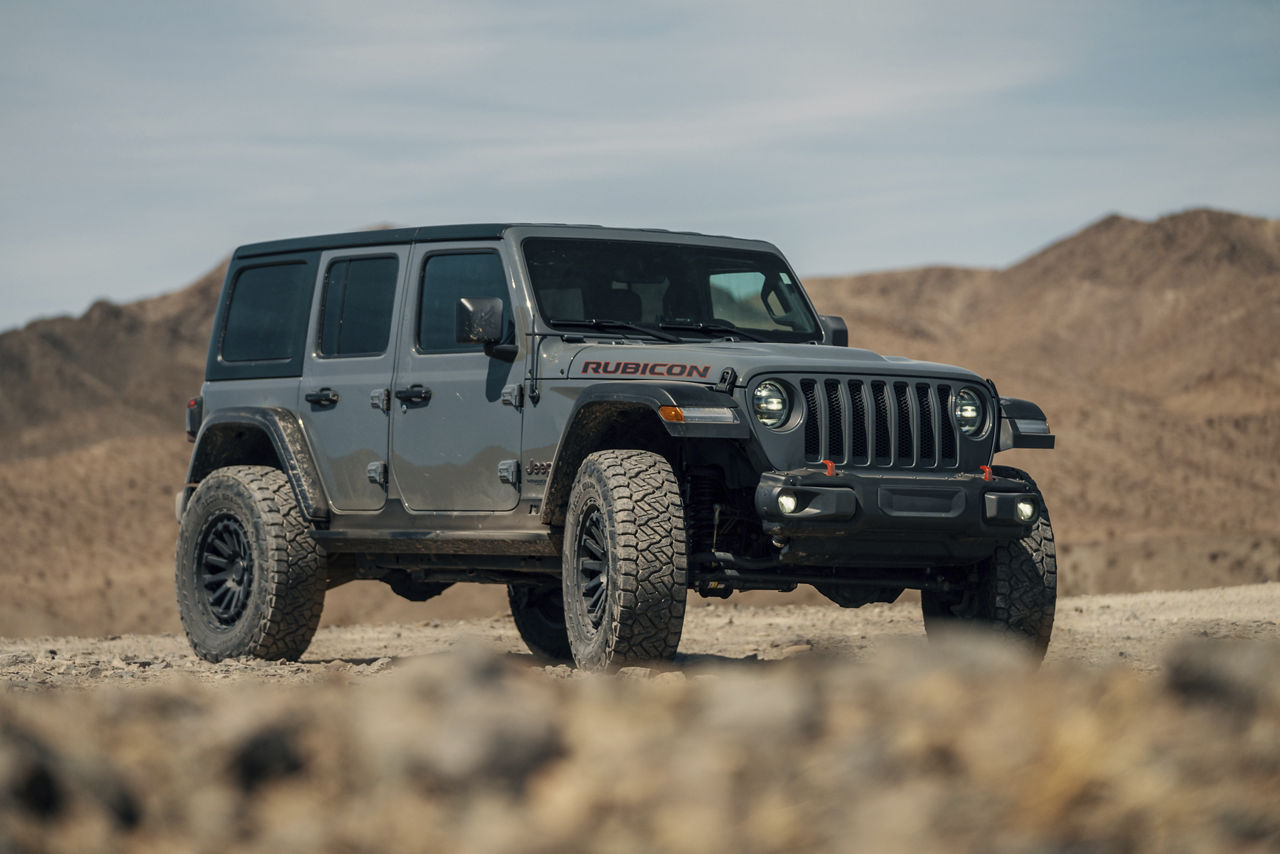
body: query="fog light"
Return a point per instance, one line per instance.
(1024, 509)
(787, 502)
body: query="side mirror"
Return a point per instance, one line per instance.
(479, 321)
(834, 330)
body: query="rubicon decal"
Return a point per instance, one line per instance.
(644, 369)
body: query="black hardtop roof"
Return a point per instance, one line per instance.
(418, 234)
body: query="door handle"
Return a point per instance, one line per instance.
(323, 397)
(413, 394)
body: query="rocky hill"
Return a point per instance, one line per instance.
(1151, 345)
(1152, 348)
(116, 371)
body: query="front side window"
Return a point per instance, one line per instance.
(448, 278)
(267, 316)
(355, 314)
(679, 289)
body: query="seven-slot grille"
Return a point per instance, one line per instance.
(890, 423)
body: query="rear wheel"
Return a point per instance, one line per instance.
(625, 572)
(538, 611)
(1016, 588)
(250, 579)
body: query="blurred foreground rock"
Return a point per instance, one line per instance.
(959, 747)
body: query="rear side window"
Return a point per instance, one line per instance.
(268, 308)
(449, 278)
(359, 295)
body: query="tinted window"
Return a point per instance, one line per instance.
(267, 311)
(355, 316)
(449, 278)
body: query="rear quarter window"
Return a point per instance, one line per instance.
(267, 306)
(262, 323)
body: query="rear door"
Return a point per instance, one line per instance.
(455, 439)
(347, 372)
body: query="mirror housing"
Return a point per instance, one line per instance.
(480, 321)
(835, 331)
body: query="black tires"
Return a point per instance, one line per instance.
(1016, 588)
(250, 579)
(538, 611)
(625, 568)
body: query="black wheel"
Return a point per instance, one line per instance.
(250, 578)
(538, 611)
(625, 571)
(1016, 589)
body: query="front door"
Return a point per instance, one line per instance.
(455, 441)
(348, 366)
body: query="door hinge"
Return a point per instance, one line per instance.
(513, 395)
(509, 472)
(377, 472)
(380, 398)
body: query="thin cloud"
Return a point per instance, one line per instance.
(855, 135)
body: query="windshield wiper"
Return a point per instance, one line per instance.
(604, 324)
(714, 329)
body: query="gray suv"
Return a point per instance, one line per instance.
(600, 419)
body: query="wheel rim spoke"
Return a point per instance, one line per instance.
(595, 606)
(225, 570)
(592, 564)
(216, 560)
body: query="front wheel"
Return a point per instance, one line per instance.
(1016, 589)
(625, 571)
(250, 578)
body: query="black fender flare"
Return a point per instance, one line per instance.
(1023, 424)
(605, 400)
(224, 439)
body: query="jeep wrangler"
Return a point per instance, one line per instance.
(600, 419)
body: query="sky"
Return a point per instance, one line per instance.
(141, 142)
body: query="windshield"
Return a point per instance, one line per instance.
(690, 291)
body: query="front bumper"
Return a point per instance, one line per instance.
(855, 517)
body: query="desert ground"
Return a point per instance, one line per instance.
(1153, 725)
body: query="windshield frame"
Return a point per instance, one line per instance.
(690, 263)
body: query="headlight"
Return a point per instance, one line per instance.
(771, 404)
(968, 412)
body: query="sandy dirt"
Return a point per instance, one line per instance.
(1133, 629)
(1154, 725)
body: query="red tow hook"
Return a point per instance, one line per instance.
(831, 468)
(986, 472)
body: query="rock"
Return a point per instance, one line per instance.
(635, 672)
(267, 755)
(1236, 675)
(796, 649)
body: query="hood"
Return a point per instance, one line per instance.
(703, 363)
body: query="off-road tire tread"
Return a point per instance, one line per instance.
(640, 493)
(289, 578)
(1017, 595)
